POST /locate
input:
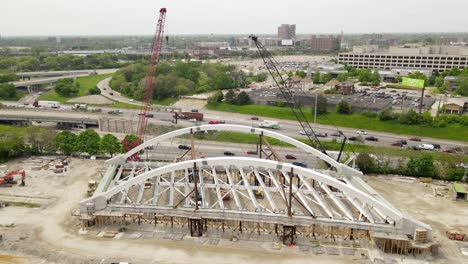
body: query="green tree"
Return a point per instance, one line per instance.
(342, 77)
(261, 77)
(462, 85)
(66, 87)
(316, 77)
(65, 142)
(41, 139)
(216, 97)
(94, 90)
(230, 97)
(7, 91)
(321, 105)
(8, 77)
(366, 163)
(109, 144)
(324, 78)
(423, 166)
(222, 81)
(439, 81)
(343, 107)
(300, 74)
(88, 142)
(243, 98)
(131, 141)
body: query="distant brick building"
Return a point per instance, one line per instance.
(345, 88)
(325, 43)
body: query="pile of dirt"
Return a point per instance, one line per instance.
(91, 99)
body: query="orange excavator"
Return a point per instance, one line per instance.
(9, 180)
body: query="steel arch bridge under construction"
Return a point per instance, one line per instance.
(243, 192)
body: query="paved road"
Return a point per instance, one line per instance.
(289, 128)
(37, 81)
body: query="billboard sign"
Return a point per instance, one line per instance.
(416, 83)
(286, 42)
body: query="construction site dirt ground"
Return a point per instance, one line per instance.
(50, 233)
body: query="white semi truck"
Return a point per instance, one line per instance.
(269, 124)
(47, 104)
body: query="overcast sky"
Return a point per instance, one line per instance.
(136, 17)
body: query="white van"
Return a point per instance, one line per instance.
(426, 146)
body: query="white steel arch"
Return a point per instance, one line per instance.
(341, 168)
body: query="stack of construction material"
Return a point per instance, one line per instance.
(420, 236)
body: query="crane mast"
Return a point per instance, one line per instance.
(285, 89)
(149, 81)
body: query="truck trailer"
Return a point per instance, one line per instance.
(190, 115)
(269, 124)
(47, 104)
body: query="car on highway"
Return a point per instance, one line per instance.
(300, 164)
(352, 138)
(132, 100)
(289, 156)
(194, 110)
(149, 115)
(436, 146)
(111, 93)
(397, 144)
(254, 118)
(335, 134)
(184, 147)
(251, 152)
(426, 146)
(403, 141)
(213, 122)
(192, 120)
(222, 121)
(415, 139)
(361, 132)
(228, 153)
(372, 138)
(321, 134)
(302, 132)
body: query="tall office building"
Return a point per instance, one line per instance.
(286, 31)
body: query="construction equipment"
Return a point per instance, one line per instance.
(149, 81)
(455, 235)
(9, 180)
(285, 88)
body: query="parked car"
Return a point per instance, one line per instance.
(111, 93)
(149, 115)
(415, 139)
(254, 118)
(289, 156)
(361, 132)
(184, 147)
(213, 122)
(372, 138)
(251, 152)
(397, 144)
(228, 153)
(300, 164)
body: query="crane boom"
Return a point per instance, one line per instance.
(285, 89)
(149, 81)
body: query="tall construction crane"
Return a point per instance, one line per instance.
(285, 89)
(149, 81)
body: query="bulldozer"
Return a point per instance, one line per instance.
(9, 181)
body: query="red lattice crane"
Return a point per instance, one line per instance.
(149, 82)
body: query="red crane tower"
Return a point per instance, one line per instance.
(149, 82)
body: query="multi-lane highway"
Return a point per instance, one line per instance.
(288, 127)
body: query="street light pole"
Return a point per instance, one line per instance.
(315, 110)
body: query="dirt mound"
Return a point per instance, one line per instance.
(91, 99)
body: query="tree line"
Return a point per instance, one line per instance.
(180, 78)
(19, 141)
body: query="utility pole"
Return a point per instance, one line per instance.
(315, 110)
